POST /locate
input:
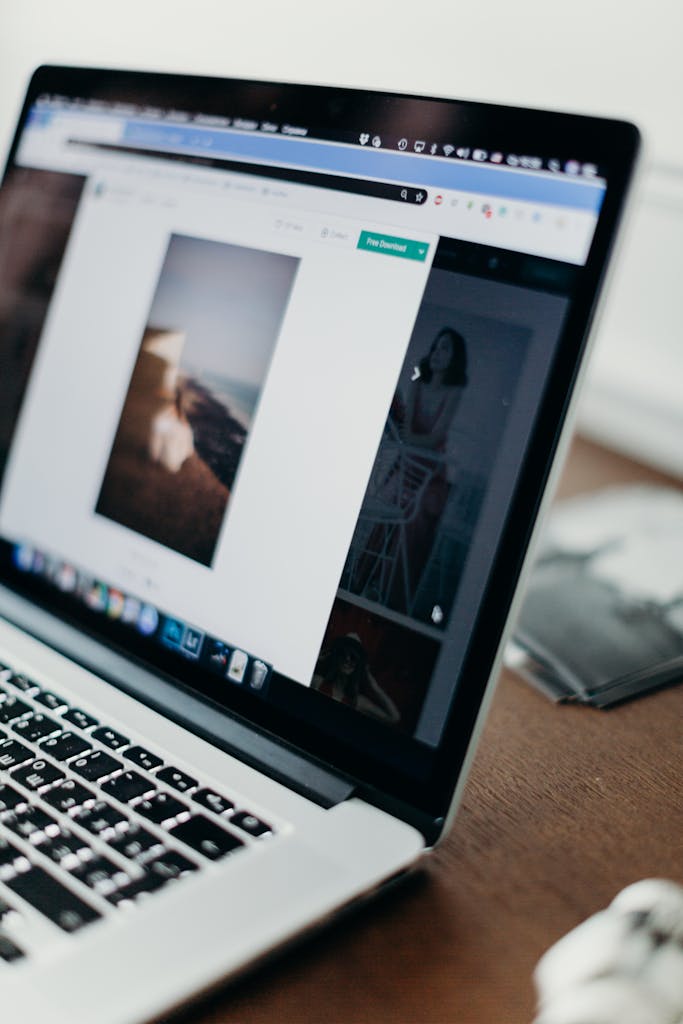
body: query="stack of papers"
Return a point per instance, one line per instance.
(602, 619)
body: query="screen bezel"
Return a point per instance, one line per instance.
(420, 777)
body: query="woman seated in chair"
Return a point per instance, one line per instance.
(434, 394)
(342, 673)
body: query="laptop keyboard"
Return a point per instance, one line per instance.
(91, 823)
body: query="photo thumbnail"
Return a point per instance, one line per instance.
(374, 665)
(434, 461)
(194, 390)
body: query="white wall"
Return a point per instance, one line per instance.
(615, 57)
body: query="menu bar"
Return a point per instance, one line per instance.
(459, 149)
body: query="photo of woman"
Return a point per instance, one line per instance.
(342, 673)
(433, 400)
(374, 665)
(409, 485)
(436, 392)
(442, 434)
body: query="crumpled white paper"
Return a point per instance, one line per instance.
(624, 965)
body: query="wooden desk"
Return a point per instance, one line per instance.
(564, 806)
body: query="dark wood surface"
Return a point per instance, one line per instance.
(564, 807)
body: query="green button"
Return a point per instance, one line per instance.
(391, 245)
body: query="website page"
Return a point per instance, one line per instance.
(288, 416)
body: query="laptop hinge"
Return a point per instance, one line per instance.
(199, 715)
(431, 827)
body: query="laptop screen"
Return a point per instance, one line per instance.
(269, 384)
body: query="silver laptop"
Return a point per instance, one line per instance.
(283, 371)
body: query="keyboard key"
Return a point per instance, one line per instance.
(13, 753)
(135, 843)
(250, 823)
(143, 758)
(9, 951)
(110, 738)
(213, 801)
(37, 774)
(66, 849)
(95, 766)
(206, 837)
(5, 909)
(9, 797)
(128, 786)
(33, 824)
(161, 807)
(102, 818)
(51, 898)
(67, 795)
(135, 890)
(177, 779)
(102, 875)
(79, 718)
(50, 700)
(23, 683)
(9, 858)
(11, 709)
(170, 865)
(35, 727)
(64, 746)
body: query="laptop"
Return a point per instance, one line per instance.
(284, 373)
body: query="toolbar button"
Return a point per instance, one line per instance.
(392, 245)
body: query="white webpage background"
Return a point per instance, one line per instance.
(304, 471)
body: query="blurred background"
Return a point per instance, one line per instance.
(595, 56)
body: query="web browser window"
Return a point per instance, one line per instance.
(290, 381)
